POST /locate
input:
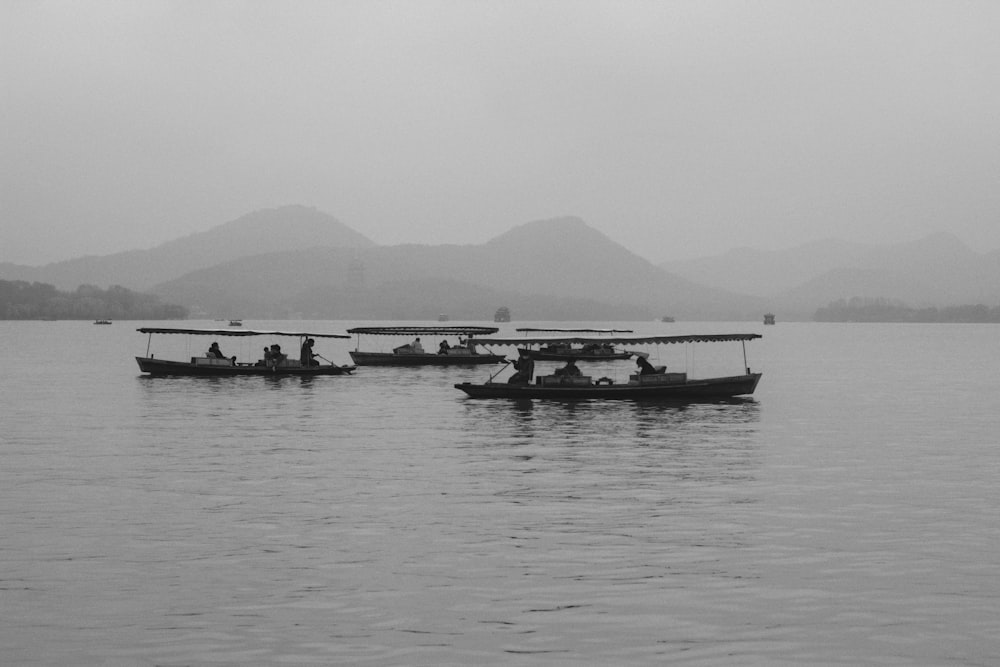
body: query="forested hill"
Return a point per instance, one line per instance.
(20, 300)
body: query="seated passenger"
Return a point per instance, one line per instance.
(410, 348)
(570, 369)
(443, 347)
(215, 353)
(646, 368)
(277, 356)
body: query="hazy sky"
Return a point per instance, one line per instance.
(679, 129)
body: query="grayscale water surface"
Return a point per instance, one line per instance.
(847, 514)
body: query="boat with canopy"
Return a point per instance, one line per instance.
(652, 383)
(270, 364)
(561, 349)
(462, 353)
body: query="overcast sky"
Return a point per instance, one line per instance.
(679, 129)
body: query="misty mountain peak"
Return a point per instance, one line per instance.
(285, 228)
(550, 233)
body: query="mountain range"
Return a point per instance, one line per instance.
(935, 271)
(256, 233)
(296, 261)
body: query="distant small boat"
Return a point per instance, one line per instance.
(235, 323)
(102, 321)
(502, 314)
(667, 318)
(443, 318)
(769, 318)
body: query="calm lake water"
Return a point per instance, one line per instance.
(848, 514)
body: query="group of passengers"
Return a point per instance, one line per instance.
(524, 369)
(416, 347)
(524, 366)
(598, 349)
(273, 356)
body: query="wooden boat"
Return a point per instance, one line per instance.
(205, 366)
(102, 321)
(768, 318)
(657, 386)
(502, 314)
(561, 348)
(235, 323)
(445, 354)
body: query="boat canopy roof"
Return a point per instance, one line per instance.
(618, 340)
(602, 331)
(236, 332)
(424, 331)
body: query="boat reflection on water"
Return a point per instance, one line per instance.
(242, 398)
(615, 423)
(641, 464)
(653, 417)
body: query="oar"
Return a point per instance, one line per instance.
(507, 362)
(346, 369)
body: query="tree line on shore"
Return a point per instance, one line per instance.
(21, 300)
(864, 309)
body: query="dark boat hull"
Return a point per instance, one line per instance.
(181, 368)
(427, 359)
(709, 388)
